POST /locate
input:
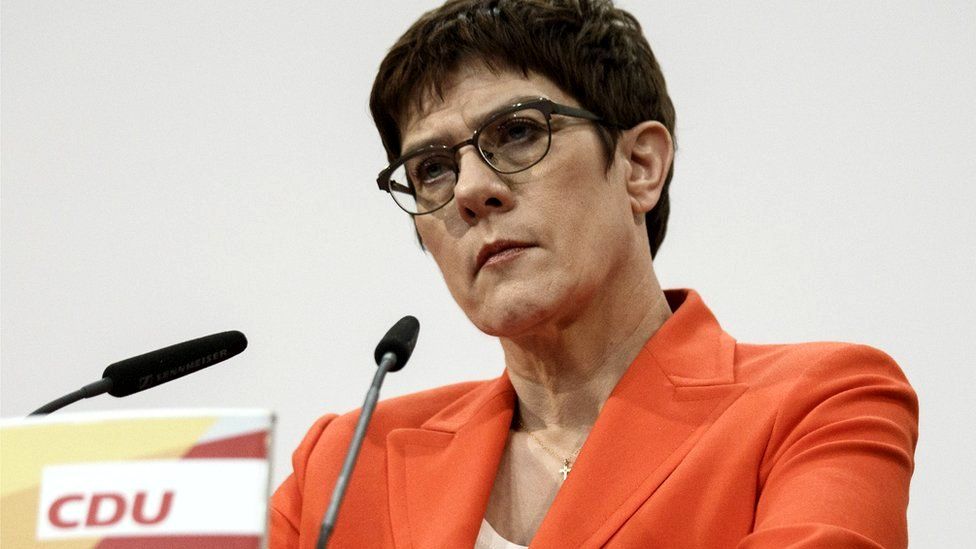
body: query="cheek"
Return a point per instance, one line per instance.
(424, 228)
(588, 212)
(445, 251)
(433, 235)
(581, 199)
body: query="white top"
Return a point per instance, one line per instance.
(488, 538)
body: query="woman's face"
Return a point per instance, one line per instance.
(531, 250)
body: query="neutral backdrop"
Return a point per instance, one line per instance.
(174, 169)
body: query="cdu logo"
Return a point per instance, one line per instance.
(163, 497)
(108, 508)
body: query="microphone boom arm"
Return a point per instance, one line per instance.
(101, 386)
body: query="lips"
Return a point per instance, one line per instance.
(498, 248)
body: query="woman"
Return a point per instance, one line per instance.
(532, 143)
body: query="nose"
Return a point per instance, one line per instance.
(479, 191)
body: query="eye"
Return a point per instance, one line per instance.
(432, 170)
(514, 131)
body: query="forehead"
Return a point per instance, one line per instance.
(468, 95)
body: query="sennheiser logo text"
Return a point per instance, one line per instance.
(161, 377)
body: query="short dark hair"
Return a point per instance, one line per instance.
(592, 50)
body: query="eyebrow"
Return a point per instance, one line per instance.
(479, 122)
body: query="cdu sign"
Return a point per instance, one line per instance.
(153, 498)
(106, 509)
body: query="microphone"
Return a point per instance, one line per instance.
(399, 340)
(146, 371)
(391, 355)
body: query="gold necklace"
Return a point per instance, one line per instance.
(567, 462)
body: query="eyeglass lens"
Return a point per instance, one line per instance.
(509, 143)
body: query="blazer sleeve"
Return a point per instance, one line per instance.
(286, 503)
(840, 457)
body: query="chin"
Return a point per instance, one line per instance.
(512, 317)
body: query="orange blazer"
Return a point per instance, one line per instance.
(705, 443)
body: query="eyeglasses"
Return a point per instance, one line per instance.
(510, 141)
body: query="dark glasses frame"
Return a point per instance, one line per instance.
(543, 105)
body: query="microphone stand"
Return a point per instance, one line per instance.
(388, 361)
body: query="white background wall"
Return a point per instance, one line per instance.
(173, 169)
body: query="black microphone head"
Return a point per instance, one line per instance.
(400, 341)
(157, 367)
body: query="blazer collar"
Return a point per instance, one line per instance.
(441, 474)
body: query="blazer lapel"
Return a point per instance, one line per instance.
(678, 385)
(441, 475)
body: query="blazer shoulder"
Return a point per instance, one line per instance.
(779, 363)
(837, 444)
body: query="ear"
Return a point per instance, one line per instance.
(648, 152)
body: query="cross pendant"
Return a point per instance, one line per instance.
(566, 468)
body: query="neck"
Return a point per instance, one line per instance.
(563, 374)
